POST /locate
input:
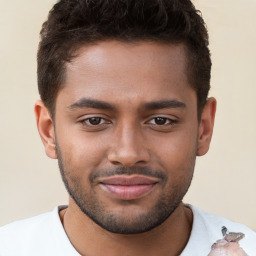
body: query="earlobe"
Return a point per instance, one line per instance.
(206, 127)
(45, 128)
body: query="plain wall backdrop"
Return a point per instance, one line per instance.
(224, 180)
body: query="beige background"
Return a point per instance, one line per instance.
(225, 179)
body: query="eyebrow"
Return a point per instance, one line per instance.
(98, 104)
(164, 104)
(91, 103)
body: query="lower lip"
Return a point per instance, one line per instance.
(128, 192)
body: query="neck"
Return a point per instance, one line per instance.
(89, 239)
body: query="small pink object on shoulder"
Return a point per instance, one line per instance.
(228, 245)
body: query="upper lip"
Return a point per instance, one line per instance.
(129, 180)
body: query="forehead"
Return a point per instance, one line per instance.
(107, 56)
(121, 71)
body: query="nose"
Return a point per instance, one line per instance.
(128, 147)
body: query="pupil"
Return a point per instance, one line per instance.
(95, 120)
(160, 120)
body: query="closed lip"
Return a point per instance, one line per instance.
(125, 187)
(126, 180)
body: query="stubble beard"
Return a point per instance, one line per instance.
(116, 222)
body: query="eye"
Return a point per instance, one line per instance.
(94, 122)
(162, 124)
(162, 121)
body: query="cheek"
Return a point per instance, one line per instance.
(177, 157)
(81, 151)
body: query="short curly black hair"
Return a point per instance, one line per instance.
(73, 23)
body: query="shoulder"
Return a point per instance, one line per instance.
(210, 225)
(213, 222)
(16, 238)
(25, 225)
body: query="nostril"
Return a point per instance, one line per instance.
(128, 153)
(115, 162)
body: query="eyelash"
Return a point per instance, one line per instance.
(165, 119)
(102, 122)
(83, 122)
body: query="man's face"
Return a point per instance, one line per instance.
(126, 133)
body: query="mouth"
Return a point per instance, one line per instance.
(128, 187)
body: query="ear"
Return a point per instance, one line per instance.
(45, 128)
(206, 127)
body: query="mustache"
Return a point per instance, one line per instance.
(139, 170)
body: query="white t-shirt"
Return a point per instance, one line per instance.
(44, 235)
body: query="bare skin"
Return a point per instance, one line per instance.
(148, 119)
(114, 244)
